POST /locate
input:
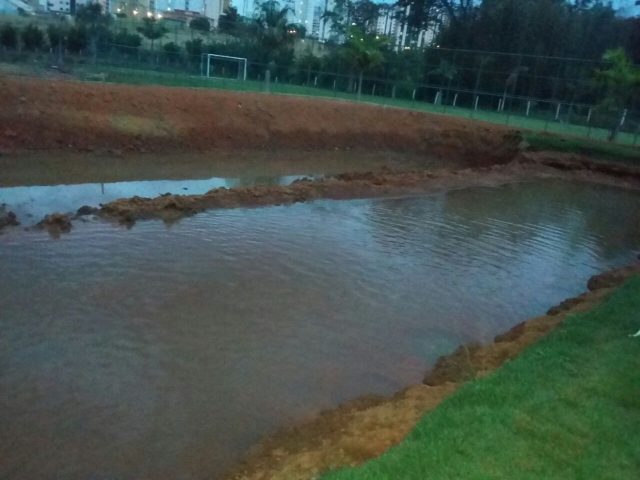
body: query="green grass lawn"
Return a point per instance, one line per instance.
(179, 78)
(567, 408)
(602, 150)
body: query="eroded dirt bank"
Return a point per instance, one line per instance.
(47, 115)
(365, 428)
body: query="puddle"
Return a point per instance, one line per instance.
(166, 351)
(34, 202)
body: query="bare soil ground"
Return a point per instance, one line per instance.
(46, 115)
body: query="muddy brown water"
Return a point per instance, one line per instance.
(165, 352)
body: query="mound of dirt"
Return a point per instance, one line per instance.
(383, 182)
(7, 218)
(56, 114)
(56, 223)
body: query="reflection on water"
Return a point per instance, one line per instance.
(36, 202)
(166, 352)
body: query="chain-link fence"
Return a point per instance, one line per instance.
(538, 93)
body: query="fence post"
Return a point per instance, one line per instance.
(373, 90)
(455, 99)
(413, 98)
(267, 81)
(475, 104)
(334, 87)
(528, 107)
(558, 112)
(624, 117)
(546, 122)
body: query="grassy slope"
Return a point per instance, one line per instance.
(601, 150)
(569, 407)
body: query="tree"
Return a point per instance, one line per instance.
(228, 22)
(194, 47)
(57, 38)
(32, 37)
(95, 23)
(8, 36)
(273, 32)
(339, 18)
(126, 42)
(621, 82)
(298, 30)
(171, 51)
(77, 39)
(200, 24)
(365, 15)
(152, 29)
(364, 51)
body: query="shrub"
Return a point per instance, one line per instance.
(8, 36)
(201, 24)
(32, 37)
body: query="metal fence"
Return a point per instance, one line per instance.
(527, 99)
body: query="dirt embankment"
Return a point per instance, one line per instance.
(365, 428)
(39, 115)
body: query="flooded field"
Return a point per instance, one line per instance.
(165, 352)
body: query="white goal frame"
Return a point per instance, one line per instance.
(206, 71)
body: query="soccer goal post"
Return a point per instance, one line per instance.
(215, 66)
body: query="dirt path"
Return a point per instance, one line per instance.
(365, 428)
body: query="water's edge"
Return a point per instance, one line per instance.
(370, 184)
(365, 427)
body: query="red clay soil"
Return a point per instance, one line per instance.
(365, 428)
(51, 114)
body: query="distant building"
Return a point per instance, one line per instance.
(13, 7)
(387, 22)
(316, 21)
(69, 7)
(178, 10)
(391, 24)
(61, 6)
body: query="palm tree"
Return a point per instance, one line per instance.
(364, 51)
(273, 31)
